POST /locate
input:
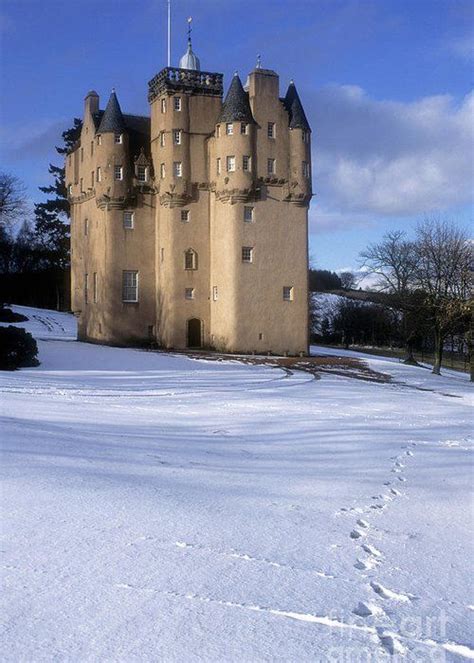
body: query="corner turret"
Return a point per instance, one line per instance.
(112, 120)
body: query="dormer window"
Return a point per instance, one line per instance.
(177, 103)
(142, 173)
(118, 138)
(229, 128)
(271, 129)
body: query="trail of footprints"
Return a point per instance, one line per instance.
(370, 558)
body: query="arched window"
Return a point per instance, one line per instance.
(190, 259)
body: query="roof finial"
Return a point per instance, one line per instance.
(113, 90)
(259, 61)
(190, 20)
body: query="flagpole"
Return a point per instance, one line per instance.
(169, 33)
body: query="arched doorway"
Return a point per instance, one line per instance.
(194, 333)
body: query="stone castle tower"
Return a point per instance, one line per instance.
(190, 228)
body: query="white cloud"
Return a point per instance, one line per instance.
(376, 158)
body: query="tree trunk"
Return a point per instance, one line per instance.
(438, 352)
(409, 358)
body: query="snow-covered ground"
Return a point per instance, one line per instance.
(157, 507)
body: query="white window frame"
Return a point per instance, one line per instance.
(118, 173)
(287, 293)
(130, 290)
(247, 163)
(218, 130)
(145, 174)
(69, 189)
(271, 166)
(162, 171)
(162, 139)
(271, 130)
(230, 164)
(163, 105)
(215, 294)
(177, 104)
(128, 220)
(247, 254)
(194, 260)
(178, 168)
(189, 293)
(185, 215)
(99, 174)
(99, 140)
(249, 213)
(244, 128)
(229, 129)
(177, 136)
(118, 139)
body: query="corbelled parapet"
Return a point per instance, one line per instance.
(173, 79)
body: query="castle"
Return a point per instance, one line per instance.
(189, 228)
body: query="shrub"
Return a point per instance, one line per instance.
(18, 349)
(7, 315)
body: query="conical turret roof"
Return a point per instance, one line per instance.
(112, 120)
(295, 110)
(190, 60)
(236, 106)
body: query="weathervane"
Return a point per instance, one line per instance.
(190, 20)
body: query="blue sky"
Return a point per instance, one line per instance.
(386, 84)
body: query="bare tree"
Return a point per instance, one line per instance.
(12, 199)
(348, 280)
(442, 273)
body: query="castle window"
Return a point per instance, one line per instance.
(218, 131)
(185, 215)
(92, 178)
(189, 293)
(162, 171)
(99, 174)
(248, 214)
(142, 173)
(271, 166)
(81, 185)
(162, 254)
(94, 287)
(305, 136)
(305, 169)
(69, 160)
(247, 254)
(288, 293)
(230, 164)
(214, 294)
(246, 163)
(128, 220)
(178, 169)
(271, 129)
(118, 172)
(162, 139)
(163, 105)
(130, 286)
(86, 288)
(69, 189)
(92, 148)
(86, 226)
(218, 165)
(177, 136)
(118, 138)
(190, 259)
(229, 128)
(244, 128)
(99, 140)
(82, 154)
(177, 103)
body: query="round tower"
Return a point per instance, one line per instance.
(300, 149)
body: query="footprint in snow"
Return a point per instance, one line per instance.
(372, 550)
(401, 478)
(394, 491)
(357, 534)
(366, 564)
(385, 593)
(363, 523)
(408, 453)
(390, 643)
(364, 609)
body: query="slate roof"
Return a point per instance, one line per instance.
(112, 119)
(236, 106)
(293, 105)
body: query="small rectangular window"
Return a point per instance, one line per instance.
(81, 185)
(118, 138)
(163, 105)
(92, 148)
(177, 136)
(185, 215)
(248, 214)
(162, 139)
(99, 174)
(128, 220)
(86, 288)
(99, 140)
(69, 189)
(305, 136)
(247, 254)
(229, 128)
(218, 165)
(92, 179)
(82, 154)
(271, 129)
(230, 164)
(118, 173)
(288, 293)
(162, 255)
(86, 226)
(162, 171)
(130, 286)
(214, 294)
(246, 163)
(177, 103)
(218, 130)
(189, 293)
(305, 169)
(142, 173)
(190, 259)
(178, 169)
(271, 166)
(244, 128)
(94, 287)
